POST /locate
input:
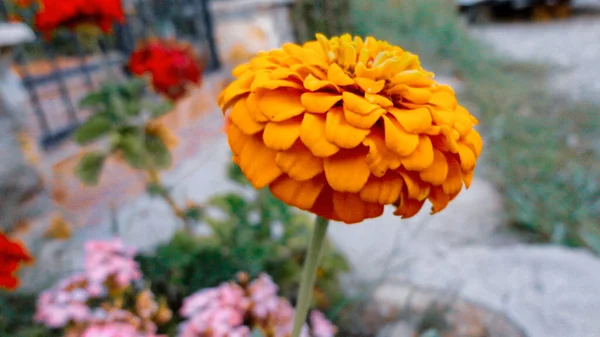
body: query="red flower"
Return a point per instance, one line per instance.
(71, 13)
(12, 254)
(172, 66)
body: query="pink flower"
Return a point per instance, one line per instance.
(106, 259)
(63, 304)
(321, 326)
(117, 329)
(263, 294)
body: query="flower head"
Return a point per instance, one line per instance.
(12, 255)
(72, 13)
(342, 127)
(172, 66)
(65, 303)
(111, 263)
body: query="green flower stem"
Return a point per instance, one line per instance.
(308, 274)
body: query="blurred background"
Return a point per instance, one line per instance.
(515, 255)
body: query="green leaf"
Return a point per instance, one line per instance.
(89, 168)
(156, 189)
(93, 99)
(95, 127)
(194, 213)
(133, 149)
(117, 106)
(158, 153)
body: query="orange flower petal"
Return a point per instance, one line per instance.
(286, 74)
(237, 88)
(444, 98)
(282, 135)
(443, 116)
(363, 121)
(280, 104)
(314, 84)
(362, 71)
(438, 199)
(299, 163)
(337, 75)
(340, 132)
(385, 190)
(413, 121)
(379, 100)
(369, 85)
(380, 158)
(466, 156)
(414, 95)
(324, 205)
(437, 172)
(468, 178)
(240, 70)
(254, 109)
(347, 171)
(416, 189)
(473, 139)
(263, 80)
(358, 104)
(463, 123)
(397, 139)
(243, 120)
(408, 208)
(312, 134)
(413, 78)
(454, 181)
(301, 194)
(422, 157)
(305, 71)
(255, 159)
(352, 209)
(319, 102)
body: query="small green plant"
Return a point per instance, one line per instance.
(251, 232)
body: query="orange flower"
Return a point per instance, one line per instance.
(72, 13)
(341, 127)
(173, 66)
(12, 254)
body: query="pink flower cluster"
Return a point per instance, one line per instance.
(106, 260)
(65, 303)
(230, 310)
(115, 329)
(107, 265)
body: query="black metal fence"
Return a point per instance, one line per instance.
(188, 20)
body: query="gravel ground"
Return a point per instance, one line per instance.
(571, 47)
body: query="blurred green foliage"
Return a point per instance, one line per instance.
(120, 112)
(543, 150)
(252, 232)
(16, 314)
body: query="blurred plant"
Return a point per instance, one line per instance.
(330, 18)
(245, 309)
(109, 294)
(251, 231)
(543, 152)
(128, 118)
(12, 255)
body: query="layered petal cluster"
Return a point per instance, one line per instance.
(342, 127)
(172, 66)
(12, 255)
(54, 14)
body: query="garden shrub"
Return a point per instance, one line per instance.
(252, 232)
